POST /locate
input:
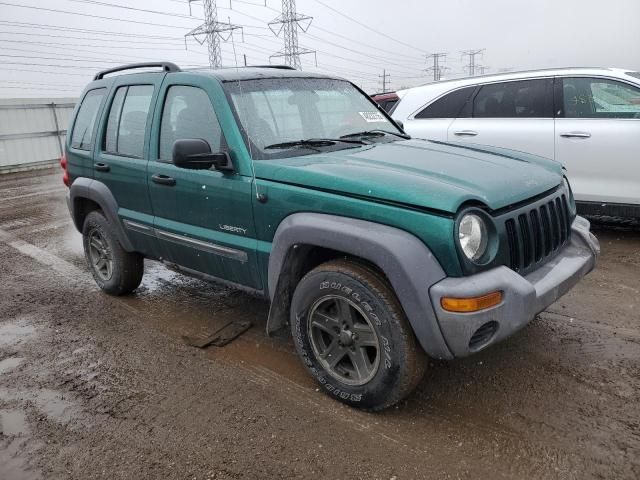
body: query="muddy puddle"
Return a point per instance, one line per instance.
(13, 423)
(13, 333)
(9, 364)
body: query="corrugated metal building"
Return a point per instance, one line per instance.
(33, 131)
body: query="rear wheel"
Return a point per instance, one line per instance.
(115, 270)
(353, 336)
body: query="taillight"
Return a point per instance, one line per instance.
(65, 174)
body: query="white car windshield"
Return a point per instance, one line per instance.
(283, 117)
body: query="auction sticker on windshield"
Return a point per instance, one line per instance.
(372, 116)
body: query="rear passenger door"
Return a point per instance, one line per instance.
(203, 218)
(516, 115)
(120, 162)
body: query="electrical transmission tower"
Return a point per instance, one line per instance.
(437, 68)
(472, 66)
(385, 77)
(212, 31)
(288, 24)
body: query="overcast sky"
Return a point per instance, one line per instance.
(56, 55)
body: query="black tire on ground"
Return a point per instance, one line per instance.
(370, 361)
(115, 270)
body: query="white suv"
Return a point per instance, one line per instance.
(586, 118)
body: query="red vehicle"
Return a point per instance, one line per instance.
(386, 100)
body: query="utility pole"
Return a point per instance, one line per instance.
(385, 79)
(472, 66)
(212, 31)
(482, 69)
(288, 24)
(436, 68)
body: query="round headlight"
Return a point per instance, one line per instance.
(472, 236)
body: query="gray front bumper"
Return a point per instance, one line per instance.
(523, 296)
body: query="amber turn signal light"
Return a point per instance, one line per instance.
(471, 304)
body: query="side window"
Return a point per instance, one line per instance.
(127, 122)
(113, 122)
(188, 113)
(449, 106)
(599, 98)
(521, 99)
(82, 136)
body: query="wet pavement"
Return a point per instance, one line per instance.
(93, 386)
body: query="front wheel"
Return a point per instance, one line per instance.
(353, 336)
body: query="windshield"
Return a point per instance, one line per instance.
(283, 117)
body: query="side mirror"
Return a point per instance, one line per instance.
(195, 154)
(399, 123)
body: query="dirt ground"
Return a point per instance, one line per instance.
(98, 387)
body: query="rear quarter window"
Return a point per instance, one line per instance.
(84, 125)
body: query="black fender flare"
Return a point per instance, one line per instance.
(99, 193)
(406, 261)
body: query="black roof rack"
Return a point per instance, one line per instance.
(166, 67)
(280, 67)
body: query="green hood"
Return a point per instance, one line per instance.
(435, 175)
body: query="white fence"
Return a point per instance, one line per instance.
(33, 131)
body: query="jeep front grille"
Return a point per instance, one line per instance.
(536, 234)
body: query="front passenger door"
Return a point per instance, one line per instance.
(203, 218)
(598, 138)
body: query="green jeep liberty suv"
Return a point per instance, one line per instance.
(377, 250)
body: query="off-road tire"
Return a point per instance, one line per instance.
(402, 361)
(127, 267)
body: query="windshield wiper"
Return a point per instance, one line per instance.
(376, 133)
(313, 143)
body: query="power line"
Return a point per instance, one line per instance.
(368, 45)
(367, 26)
(84, 30)
(54, 10)
(48, 72)
(382, 59)
(127, 47)
(145, 10)
(325, 41)
(290, 21)
(97, 39)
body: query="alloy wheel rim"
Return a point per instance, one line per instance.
(343, 340)
(100, 255)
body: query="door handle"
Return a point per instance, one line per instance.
(163, 179)
(101, 167)
(466, 133)
(575, 134)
